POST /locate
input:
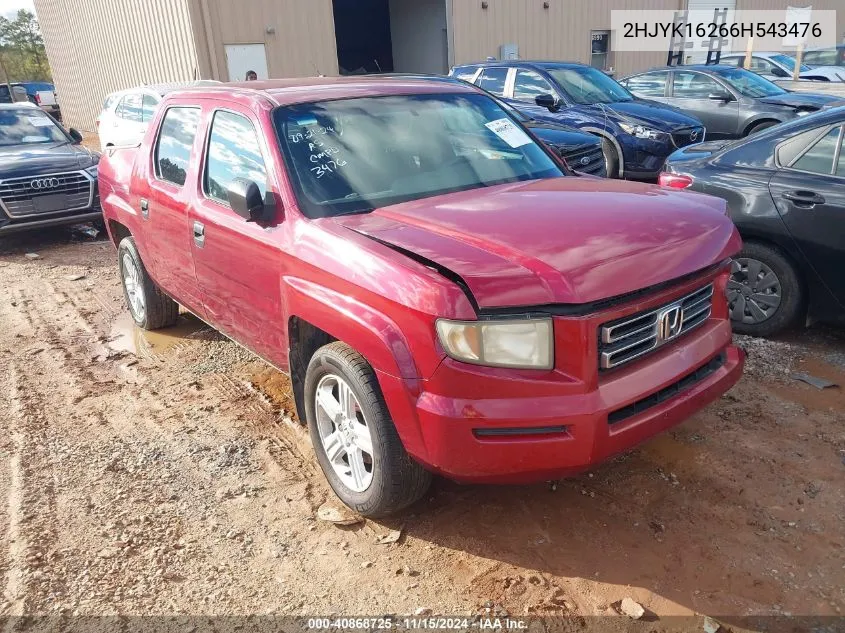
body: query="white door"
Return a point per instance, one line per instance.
(241, 58)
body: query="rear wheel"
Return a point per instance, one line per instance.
(611, 158)
(354, 438)
(765, 295)
(150, 308)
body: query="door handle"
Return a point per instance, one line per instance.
(199, 234)
(803, 198)
(145, 208)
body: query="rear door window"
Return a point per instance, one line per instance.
(233, 152)
(174, 143)
(130, 108)
(647, 85)
(493, 80)
(466, 73)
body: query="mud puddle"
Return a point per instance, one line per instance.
(128, 338)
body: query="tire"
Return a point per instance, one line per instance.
(611, 158)
(759, 127)
(157, 310)
(751, 291)
(394, 480)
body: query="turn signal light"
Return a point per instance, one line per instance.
(674, 181)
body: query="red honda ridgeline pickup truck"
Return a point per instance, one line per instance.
(445, 295)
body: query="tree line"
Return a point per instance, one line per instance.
(22, 52)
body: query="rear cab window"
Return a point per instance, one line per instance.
(148, 108)
(130, 108)
(174, 142)
(233, 151)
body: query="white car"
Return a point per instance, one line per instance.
(127, 113)
(774, 66)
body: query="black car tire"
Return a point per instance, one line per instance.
(759, 127)
(397, 480)
(792, 305)
(611, 158)
(159, 309)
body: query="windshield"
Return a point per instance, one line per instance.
(589, 85)
(356, 155)
(750, 84)
(29, 125)
(787, 62)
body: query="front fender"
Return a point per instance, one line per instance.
(374, 335)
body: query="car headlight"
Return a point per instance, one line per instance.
(803, 112)
(640, 131)
(92, 171)
(516, 343)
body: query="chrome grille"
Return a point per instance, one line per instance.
(18, 195)
(625, 339)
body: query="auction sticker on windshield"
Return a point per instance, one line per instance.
(508, 132)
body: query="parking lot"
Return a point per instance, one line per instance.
(165, 473)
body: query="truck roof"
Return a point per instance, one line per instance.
(306, 89)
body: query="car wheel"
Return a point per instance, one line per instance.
(150, 308)
(611, 158)
(765, 295)
(354, 437)
(759, 127)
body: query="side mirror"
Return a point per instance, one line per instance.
(75, 135)
(246, 200)
(720, 96)
(549, 101)
(779, 72)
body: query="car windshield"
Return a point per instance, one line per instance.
(787, 62)
(356, 155)
(584, 84)
(750, 84)
(29, 125)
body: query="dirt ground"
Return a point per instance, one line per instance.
(163, 474)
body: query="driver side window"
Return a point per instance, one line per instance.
(690, 85)
(529, 84)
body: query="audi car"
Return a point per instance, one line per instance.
(47, 177)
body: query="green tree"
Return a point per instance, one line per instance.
(22, 48)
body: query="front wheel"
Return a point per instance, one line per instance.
(353, 435)
(765, 295)
(611, 159)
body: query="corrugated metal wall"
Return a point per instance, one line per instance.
(560, 32)
(98, 46)
(302, 41)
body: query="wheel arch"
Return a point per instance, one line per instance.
(606, 135)
(782, 249)
(758, 121)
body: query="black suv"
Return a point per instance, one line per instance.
(46, 177)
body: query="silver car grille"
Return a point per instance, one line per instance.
(18, 196)
(623, 340)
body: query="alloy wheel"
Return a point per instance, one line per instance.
(754, 291)
(344, 432)
(134, 287)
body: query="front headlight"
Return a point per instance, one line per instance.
(640, 131)
(803, 112)
(516, 343)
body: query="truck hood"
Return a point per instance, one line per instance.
(558, 241)
(43, 158)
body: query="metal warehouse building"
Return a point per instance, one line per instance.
(98, 46)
